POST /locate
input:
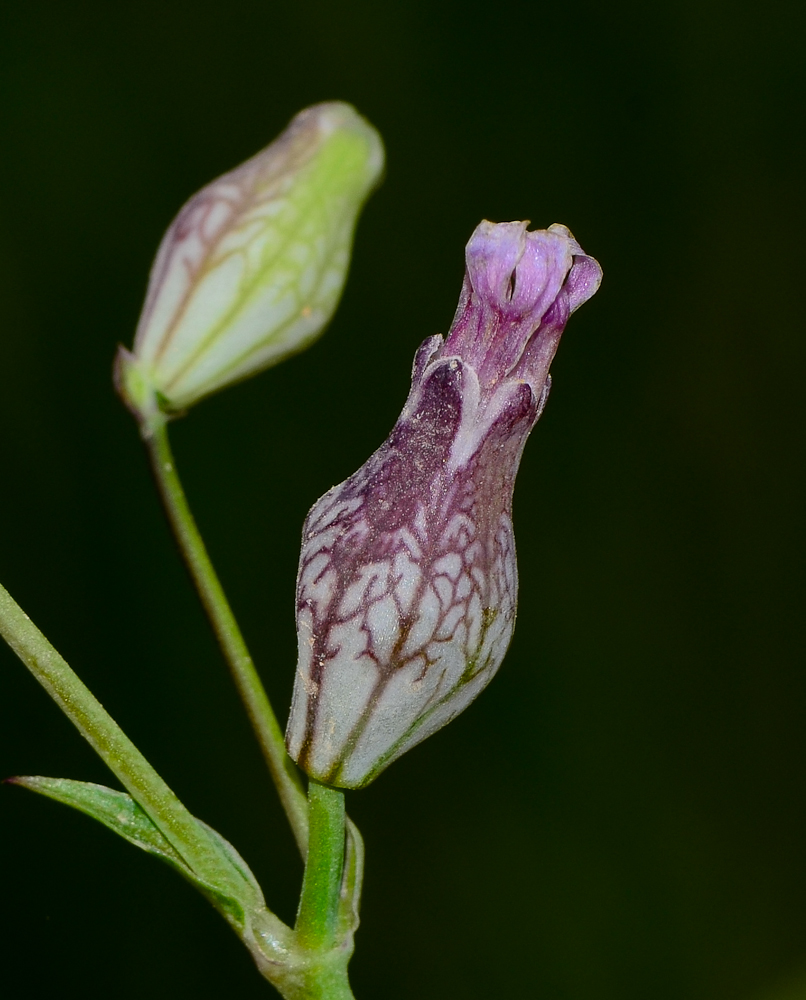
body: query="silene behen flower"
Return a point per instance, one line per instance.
(252, 268)
(407, 582)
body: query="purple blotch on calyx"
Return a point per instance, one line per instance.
(407, 587)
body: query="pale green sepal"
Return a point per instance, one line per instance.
(135, 387)
(352, 880)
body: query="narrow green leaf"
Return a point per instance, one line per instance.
(114, 809)
(116, 750)
(119, 812)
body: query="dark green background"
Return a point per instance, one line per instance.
(621, 815)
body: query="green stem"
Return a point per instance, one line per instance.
(328, 982)
(253, 695)
(315, 929)
(107, 738)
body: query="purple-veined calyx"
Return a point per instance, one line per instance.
(407, 584)
(252, 268)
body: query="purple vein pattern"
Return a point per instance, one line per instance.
(253, 266)
(407, 585)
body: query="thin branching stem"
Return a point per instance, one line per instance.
(264, 722)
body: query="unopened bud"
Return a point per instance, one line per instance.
(252, 268)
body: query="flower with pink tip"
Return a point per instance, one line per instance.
(407, 584)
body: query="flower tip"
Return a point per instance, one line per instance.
(338, 118)
(333, 116)
(515, 269)
(492, 253)
(583, 281)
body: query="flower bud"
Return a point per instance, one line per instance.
(253, 266)
(407, 582)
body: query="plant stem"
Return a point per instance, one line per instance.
(107, 738)
(315, 929)
(253, 695)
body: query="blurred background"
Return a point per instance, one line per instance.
(623, 813)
